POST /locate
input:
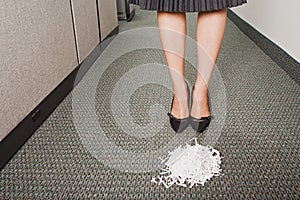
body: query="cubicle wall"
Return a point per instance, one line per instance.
(86, 26)
(108, 20)
(41, 43)
(37, 51)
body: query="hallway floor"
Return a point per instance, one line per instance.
(105, 139)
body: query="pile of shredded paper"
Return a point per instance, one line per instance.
(190, 165)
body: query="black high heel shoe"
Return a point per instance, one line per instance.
(200, 124)
(179, 124)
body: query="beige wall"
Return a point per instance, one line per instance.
(86, 26)
(278, 20)
(37, 51)
(108, 16)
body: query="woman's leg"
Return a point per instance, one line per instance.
(172, 28)
(210, 32)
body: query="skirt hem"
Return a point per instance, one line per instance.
(192, 6)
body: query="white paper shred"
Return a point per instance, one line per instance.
(189, 166)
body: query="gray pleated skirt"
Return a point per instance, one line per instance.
(186, 5)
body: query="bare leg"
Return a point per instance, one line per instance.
(172, 27)
(210, 32)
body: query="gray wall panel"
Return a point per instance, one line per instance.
(86, 26)
(108, 16)
(37, 51)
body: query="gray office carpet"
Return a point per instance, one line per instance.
(105, 139)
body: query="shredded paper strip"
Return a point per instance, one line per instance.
(189, 166)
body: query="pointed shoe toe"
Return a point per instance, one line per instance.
(200, 124)
(178, 125)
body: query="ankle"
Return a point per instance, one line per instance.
(200, 88)
(200, 107)
(180, 111)
(200, 95)
(181, 100)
